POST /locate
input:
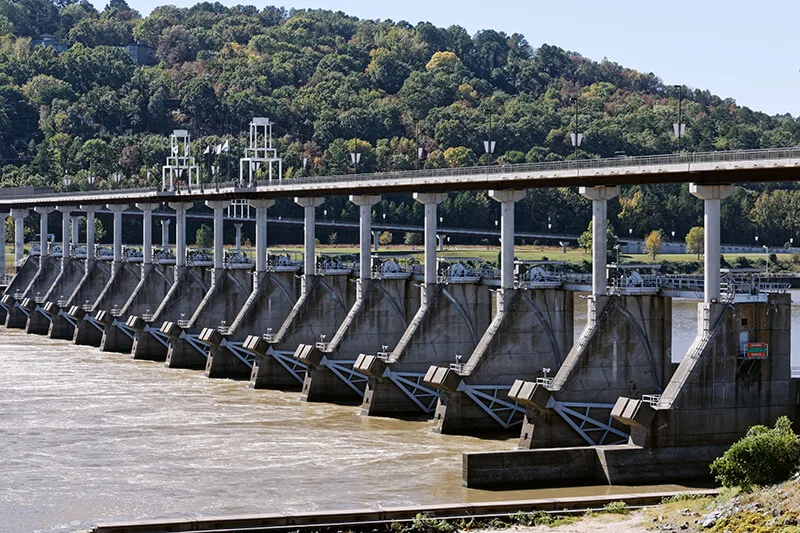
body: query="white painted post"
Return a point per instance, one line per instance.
(165, 233)
(365, 203)
(147, 231)
(430, 201)
(376, 240)
(712, 196)
(261, 207)
(599, 197)
(117, 210)
(238, 227)
(180, 231)
(507, 200)
(3, 257)
(75, 229)
(19, 235)
(43, 212)
(440, 239)
(310, 219)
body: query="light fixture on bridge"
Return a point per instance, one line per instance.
(91, 180)
(679, 129)
(576, 136)
(355, 159)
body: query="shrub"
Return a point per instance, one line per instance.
(763, 457)
(618, 507)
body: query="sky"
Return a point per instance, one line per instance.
(741, 49)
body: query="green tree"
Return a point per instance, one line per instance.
(695, 241)
(459, 157)
(385, 238)
(412, 239)
(204, 237)
(585, 238)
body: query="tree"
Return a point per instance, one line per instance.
(385, 238)
(412, 239)
(204, 237)
(652, 244)
(99, 230)
(585, 239)
(333, 238)
(695, 241)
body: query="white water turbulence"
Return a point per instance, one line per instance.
(90, 436)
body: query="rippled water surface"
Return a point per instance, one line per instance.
(88, 436)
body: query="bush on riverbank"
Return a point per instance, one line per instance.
(763, 457)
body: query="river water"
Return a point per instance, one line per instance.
(88, 436)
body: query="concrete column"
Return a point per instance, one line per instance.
(43, 213)
(308, 205)
(376, 240)
(180, 231)
(3, 250)
(261, 207)
(365, 203)
(165, 233)
(712, 196)
(238, 227)
(75, 229)
(147, 231)
(90, 247)
(117, 210)
(507, 200)
(430, 201)
(219, 212)
(19, 234)
(66, 226)
(599, 197)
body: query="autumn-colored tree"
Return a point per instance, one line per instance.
(652, 244)
(695, 240)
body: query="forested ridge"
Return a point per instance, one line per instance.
(334, 84)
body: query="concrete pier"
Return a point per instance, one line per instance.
(91, 285)
(15, 292)
(532, 332)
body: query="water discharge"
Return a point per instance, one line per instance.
(89, 436)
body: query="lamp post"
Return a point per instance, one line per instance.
(66, 181)
(91, 180)
(355, 158)
(116, 177)
(680, 127)
(489, 144)
(766, 260)
(576, 136)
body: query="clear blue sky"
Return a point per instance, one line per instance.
(742, 49)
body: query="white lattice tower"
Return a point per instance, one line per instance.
(239, 208)
(180, 163)
(259, 151)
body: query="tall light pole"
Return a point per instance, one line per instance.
(576, 136)
(488, 145)
(680, 128)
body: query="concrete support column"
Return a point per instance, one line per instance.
(440, 239)
(180, 231)
(365, 203)
(117, 210)
(75, 229)
(43, 213)
(599, 197)
(19, 234)
(90, 247)
(430, 201)
(147, 232)
(261, 207)
(376, 240)
(308, 205)
(507, 200)
(3, 215)
(712, 196)
(165, 233)
(238, 227)
(66, 226)
(219, 212)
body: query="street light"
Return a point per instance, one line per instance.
(766, 260)
(680, 128)
(576, 137)
(355, 158)
(489, 144)
(91, 179)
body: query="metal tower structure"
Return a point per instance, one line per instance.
(259, 151)
(180, 163)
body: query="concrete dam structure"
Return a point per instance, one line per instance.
(477, 348)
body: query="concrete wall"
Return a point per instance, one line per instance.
(68, 281)
(93, 284)
(222, 303)
(268, 306)
(185, 295)
(626, 351)
(24, 275)
(44, 278)
(153, 288)
(387, 309)
(716, 395)
(320, 313)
